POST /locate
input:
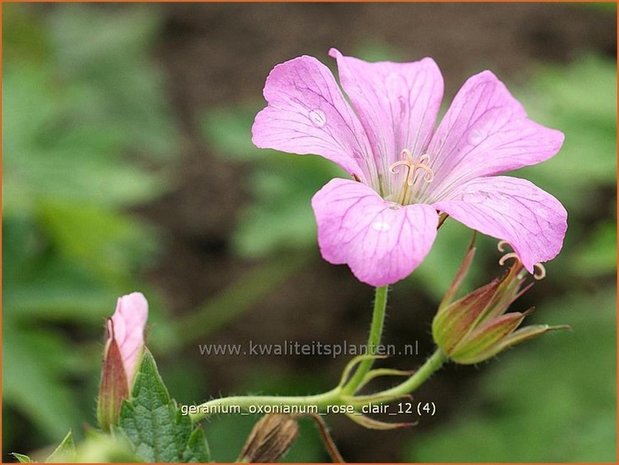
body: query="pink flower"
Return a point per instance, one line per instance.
(406, 171)
(123, 351)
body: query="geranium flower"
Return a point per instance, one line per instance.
(405, 172)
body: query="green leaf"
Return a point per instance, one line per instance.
(21, 457)
(155, 425)
(65, 452)
(197, 450)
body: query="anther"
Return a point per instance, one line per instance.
(422, 164)
(408, 162)
(507, 256)
(539, 271)
(501, 245)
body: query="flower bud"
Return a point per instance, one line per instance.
(270, 439)
(123, 351)
(476, 327)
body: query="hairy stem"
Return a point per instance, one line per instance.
(376, 333)
(247, 403)
(320, 402)
(432, 364)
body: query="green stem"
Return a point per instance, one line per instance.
(426, 370)
(245, 403)
(376, 333)
(320, 401)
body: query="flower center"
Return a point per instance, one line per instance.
(412, 167)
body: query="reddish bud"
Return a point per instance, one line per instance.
(476, 326)
(123, 351)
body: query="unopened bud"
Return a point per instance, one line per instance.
(123, 351)
(476, 327)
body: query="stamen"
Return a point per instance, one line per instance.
(501, 245)
(507, 256)
(408, 162)
(412, 167)
(422, 164)
(540, 271)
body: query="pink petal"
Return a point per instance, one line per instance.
(307, 114)
(486, 132)
(511, 209)
(127, 327)
(381, 242)
(397, 103)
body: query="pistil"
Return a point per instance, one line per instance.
(412, 168)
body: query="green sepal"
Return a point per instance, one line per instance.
(460, 275)
(508, 290)
(529, 332)
(347, 372)
(371, 423)
(154, 424)
(21, 458)
(485, 342)
(457, 320)
(65, 452)
(379, 372)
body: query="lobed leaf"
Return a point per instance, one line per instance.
(155, 425)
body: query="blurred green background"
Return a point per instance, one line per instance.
(128, 166)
